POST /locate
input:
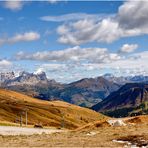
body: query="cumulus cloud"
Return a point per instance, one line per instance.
(133, 14)
(28, 36)
(127, 48)
(84, 31)
(131, 20)
(67, 73)
(13, 5)
(76, 63)
(75, 54)
(70, 72)
(52, 67)
(136, 61)
(4, 63)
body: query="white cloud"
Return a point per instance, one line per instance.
(14, 5)
(5, 63)
(70, 72)
(133, 14)
(76, 63)
(127, 48)
(131, 20)
(67, 73)
(88, 30)
(52, 67)
(28, 36)
(71, 17)
(75, 54)
(138, 61)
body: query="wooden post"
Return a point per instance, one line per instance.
(20, 119)
(26, 118)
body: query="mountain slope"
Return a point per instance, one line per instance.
(85, 92)
(129, 98)
(47, 113)
(88, 91)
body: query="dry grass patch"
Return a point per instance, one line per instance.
(47, 113)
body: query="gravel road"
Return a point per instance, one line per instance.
(11, 130)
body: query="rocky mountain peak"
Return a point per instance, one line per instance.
(42, 75)
(4, 76)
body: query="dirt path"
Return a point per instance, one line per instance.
(11, 130)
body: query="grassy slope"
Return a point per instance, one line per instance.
(47, 113)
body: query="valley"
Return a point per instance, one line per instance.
(74, 73)
(60, 124)
(130, 100)
(85, 92)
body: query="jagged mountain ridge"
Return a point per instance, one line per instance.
(6, 76)
(126, 79)
(26, 78)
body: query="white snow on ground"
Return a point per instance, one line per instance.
(11, 130)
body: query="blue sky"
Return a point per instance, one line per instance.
(70, 40)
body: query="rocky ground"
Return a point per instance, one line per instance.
(134, 133)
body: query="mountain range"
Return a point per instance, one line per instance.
(85, 92)
(130, 99)
(126, 79)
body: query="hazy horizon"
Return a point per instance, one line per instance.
(71, 40)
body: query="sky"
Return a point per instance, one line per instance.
(71, 40)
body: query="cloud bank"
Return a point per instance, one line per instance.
(75, 54)
(130, 20)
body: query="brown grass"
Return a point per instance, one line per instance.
(103, 138)
(47, 113)
(138, 119)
